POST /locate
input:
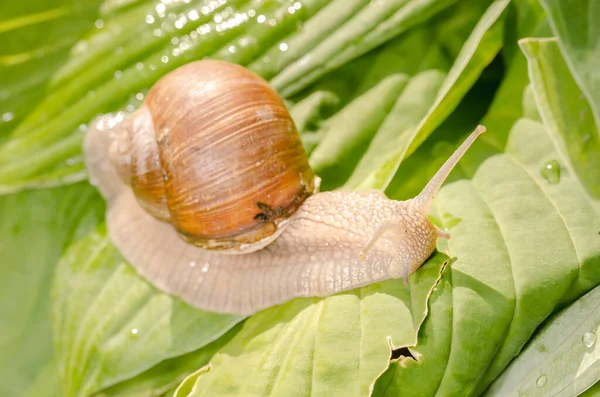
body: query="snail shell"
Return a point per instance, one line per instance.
(332, 242)
(214, 152)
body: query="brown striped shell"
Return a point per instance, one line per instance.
(214, 151)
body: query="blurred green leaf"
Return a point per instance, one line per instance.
(479, 49)
(110, 71)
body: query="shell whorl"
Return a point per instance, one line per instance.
(214, 151)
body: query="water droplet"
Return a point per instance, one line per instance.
(139, 96)
(291, 10)
(134, 331)
(232, 49)
(83, 127)
(160, 8)
(193, 15)
(261, 18)
(297, 5)
(589, 339)
(99, 23)
(205, 267)
(8, 116)
(193, 264)
(174, 40)
(71, 161)
(180, 23)
(149, 19)
(272, 22)
(551, 172)
(541, 381)
(157, 32)
(283, 47)
(139, 66)
(251, 13)
(164, 59)
(118, 74)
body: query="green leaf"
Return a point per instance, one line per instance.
(36, 38)
(111, 69)
(382, 117)
(579, 38)
(187, 386)
(504, 282)
(565, 110)
(508, 104)
(333, 346)
(377, 22)
(34, 228)
(405, 378)
(564, 357)
(479, 49)
(348, 131)
(110, 325)
(168, 374)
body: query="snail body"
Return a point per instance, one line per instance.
(281, 239)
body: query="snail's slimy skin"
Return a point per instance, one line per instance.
(335, 242)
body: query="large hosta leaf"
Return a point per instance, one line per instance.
(34, 228)
(333, 346)
(110, 325)
(504, 283)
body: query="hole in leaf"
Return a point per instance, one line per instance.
(401, 352)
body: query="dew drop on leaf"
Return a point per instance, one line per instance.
(541, 381)
(551, 172)
(589, 339)
(133, 332)
(8, 116)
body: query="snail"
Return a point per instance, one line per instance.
(210, 197)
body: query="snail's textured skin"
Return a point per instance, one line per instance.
(318, 254)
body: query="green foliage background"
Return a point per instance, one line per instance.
(382, 92)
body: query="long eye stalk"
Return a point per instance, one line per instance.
(426, 196)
